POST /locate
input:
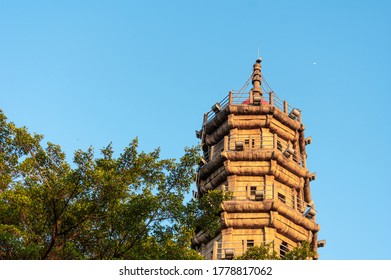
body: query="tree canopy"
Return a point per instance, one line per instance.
(133, 206)
(266, 252)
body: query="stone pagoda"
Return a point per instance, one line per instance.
(254, 147)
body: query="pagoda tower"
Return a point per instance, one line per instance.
(254, 147)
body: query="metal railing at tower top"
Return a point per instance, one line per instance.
(217, 108)
(243, 98)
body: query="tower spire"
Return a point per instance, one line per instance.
(256, 91)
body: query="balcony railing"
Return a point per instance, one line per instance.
(270, 191)
(252, 143)
(214, 151)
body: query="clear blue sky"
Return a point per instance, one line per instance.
(93, 72)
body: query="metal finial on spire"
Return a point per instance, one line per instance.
(259, 57)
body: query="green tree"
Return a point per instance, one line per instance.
(204, 213)
(303, 251)
(126, 207)
(261, 252)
